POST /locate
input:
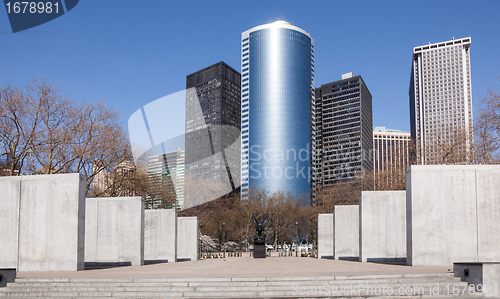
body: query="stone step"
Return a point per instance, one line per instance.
(237, 287)
(222, 279)
(239, 279)
(164, 286)
(17, 283)
(308, 297)
(438, 285)
(247, 292)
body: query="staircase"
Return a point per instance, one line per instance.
(441, 285)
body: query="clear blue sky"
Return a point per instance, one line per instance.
(130, 53)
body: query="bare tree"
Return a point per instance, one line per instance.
(487, 130)
(19, 118)
(51, 144)
(450, 146)
(343, 193)
(283, 209)
(100, 139)
(124, 180)
(219, 219)
(40, 126)
(391, 177)
(229, 219)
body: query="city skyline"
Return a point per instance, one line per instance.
(142, 53)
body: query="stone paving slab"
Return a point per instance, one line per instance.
(246, 267)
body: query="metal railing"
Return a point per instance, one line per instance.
(216, 255)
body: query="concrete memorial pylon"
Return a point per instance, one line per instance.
(43, 222)
(160, 236)
(325, 236)
(114, 231)
(346, 232)
(382, 226)
(187, 238)
(452, 214)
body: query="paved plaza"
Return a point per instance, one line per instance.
(246, 267)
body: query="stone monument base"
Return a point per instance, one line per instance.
(259, 251)
(6, 276)
(485, 277)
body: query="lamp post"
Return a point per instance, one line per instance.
(297, 230)
(224, 238)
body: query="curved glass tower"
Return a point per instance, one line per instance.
(277, 91)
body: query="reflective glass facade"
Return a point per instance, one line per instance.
(277, 88)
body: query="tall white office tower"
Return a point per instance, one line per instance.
(441, 102)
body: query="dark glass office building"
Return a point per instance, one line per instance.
(213, 123)
(277, 65)
(343, 137)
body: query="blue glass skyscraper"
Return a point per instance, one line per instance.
(277, 91)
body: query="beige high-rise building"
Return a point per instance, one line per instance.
(391, 155)
(441, 102)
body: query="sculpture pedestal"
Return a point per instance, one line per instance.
(259, 251)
